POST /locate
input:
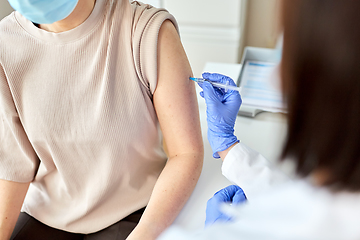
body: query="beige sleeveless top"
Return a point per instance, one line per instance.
(76, 115)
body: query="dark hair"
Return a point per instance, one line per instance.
(321, 84)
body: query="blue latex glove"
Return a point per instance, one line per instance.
(231, 194)
(221, 110)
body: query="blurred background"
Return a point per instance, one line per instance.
(217, 30)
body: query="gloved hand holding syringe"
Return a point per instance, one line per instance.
(226, 86)
(222, 106)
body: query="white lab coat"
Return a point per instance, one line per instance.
(279, 208)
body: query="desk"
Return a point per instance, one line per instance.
(264, 133)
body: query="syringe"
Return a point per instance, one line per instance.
(217, 84)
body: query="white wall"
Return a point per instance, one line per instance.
(5, 8)
(215, 30)
(210, 30)
(155, 3)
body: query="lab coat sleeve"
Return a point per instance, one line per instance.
(251, 171)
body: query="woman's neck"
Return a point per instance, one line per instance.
(81, 12)
(321, 177)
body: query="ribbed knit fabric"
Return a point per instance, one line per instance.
(76, 115)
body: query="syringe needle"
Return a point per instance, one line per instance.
(217, 84)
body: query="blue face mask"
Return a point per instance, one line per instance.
(44, 11)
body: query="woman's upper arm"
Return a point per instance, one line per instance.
(175, 96)
(12, 196)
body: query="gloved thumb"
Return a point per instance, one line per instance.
(227, 194)
(201, 86)
(239, 197)
(209, 93)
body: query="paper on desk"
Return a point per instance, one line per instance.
(260, 86)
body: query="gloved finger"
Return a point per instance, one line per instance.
(216, 77)
(210, 93)
(233, 96)
(218, 91)
(222, 79)
(202, 94)
(213, 219)
(220, 218)
(212, 205)
(214, 213)
(239, 197)
(226, 194)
